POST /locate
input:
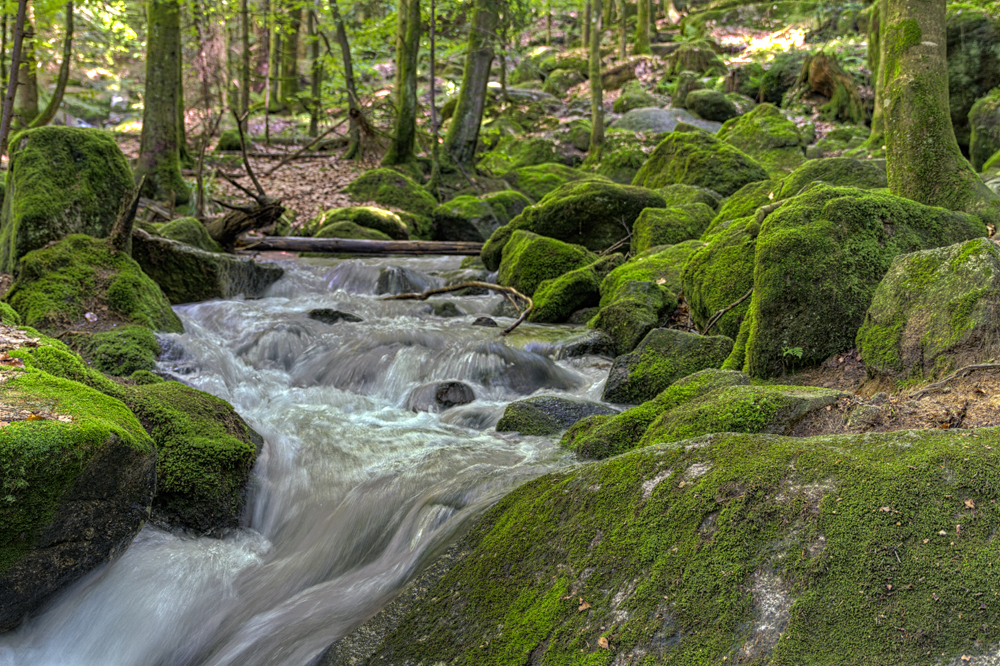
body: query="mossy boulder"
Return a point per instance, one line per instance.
(840, 141)
(649, 119)
(78, 481)
(514, 152)
(768, 136)
(190, 231)
(663, 357)
(119, 352)
(743, 203)
(605, 436)
(621, 162)
(933, 312)
(476, 218)
(395, 190)
(530, 259)
(59, 285)
(558, 298)
(9, 316)
(633, 96)
(537, 181)
(819, 258)
(347, 229)
(668, 226)
(984, 129)
(782, 75)
(683, 84)
(698, 158)
(229, 141)
(369, 217)
(698, 57)
(547, 415)
(661, 264)
(561, 80)
(710, 105)
(188, 275)
(61, 181)
(636, 308)
(576, 60)
(679, 194)
(577, 133)
(845, 171)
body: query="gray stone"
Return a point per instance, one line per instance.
(439, 396)
(548, 415)
(330, 316)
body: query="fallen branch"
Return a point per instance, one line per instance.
(353, 246)
(303, 149)
(718, 315)
(961, 372)
(507, 291)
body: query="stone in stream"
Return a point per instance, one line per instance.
(399, 280)
(445, 309)
(485, 321)
(439, 396)
(331, 316)
(547, 415)
(591, 343)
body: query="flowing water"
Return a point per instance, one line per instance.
(351, 495)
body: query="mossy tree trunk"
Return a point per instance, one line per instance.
(401, 148)
(875, 65)
(460, 143)
(924, 161)
(288, 85)
(26, 102)
(352, 93)
(596, 91)
(585, 38)
(316, 75)
(159, 160)
(244, 57)
(46, 116)
(622, 29)
(641, 45)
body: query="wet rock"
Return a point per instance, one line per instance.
(485, 321)
(439, 396)
(189, 275)
(445, 309)
(398, 280)
(547, 415)
(591, 343)
(330, 316)
(495, 364)
(663, 357)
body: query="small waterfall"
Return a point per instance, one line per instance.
(352, 494)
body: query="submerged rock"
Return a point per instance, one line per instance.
(547, 415)
(330, 316)
(439, 396)
(485, 321)
(400, 280)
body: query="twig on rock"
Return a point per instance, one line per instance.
(507, 291)
(718, 315)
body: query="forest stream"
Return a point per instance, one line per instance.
(352, 493)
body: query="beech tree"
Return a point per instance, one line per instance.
(596, 90)
(641, 46)
(463, 135)
(407, 49)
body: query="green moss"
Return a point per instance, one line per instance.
(119, 352)
(744, 203)
(668, 226)
(391, 188)
(558, 298)
(40, 459)
(189, 230)
(530, 259)
(633, 96)
(697, 56)
(679, 194)
(347, 229)
(700, 159)
(710, 105)
(59, 284)
(845, 171)
(984, 126)
(561, 80)
(570, 59)
(637, 308)
(8, 315)
(62, 181)
(768, 136)
(514, 152)
(143, 377)
(229, 141)
(663, 263)
(537, 181)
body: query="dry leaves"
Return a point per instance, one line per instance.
(583, 605)
(603, 642)
(969, 504)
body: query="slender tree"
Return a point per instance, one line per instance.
(596, 91)
(622, 29)
(316, 74)
(288, 84)
(26, 102)
(463, 135)
(159, 160)
(923, 159)
(46, 116)
(641, 45)
(245, 58)
(585, 37)
(15, 60)
(352, 94)
(434, 183)
(407, 48)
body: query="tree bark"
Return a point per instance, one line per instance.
(26, 102)
(463, 135)
(585, 42)
(316, 74)
(876, 66)
(15, 60)
(352, 94)
(596, 89)
(245, 58)
(288, 85)
(641, 45)
(46, 116)
(159, 160)
(622, 29)
(923, 158)
(401, 148)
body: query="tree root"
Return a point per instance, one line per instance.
(961, 372)
(508, 292)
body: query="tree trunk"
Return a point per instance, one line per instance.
(924, 161)
(316, 74)
(26, 102)
(607, 13)
(182, 142)
(596, 91)
(288, 85)
(15, 60)
(641, 45)
(622, 29)
(407, 49)
(352, 93)
(159, 160)
(46, 116)
(876, 66)
(548, 22)
(463, 135)
(245, 58)
(585, 38)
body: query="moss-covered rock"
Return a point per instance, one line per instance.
(229, 141)
(530, 259)
(744, 203)
(369, 217)
(189, 230)
(668, 226)
(840, 141)
(698, 158)
(391, 188)
(710, 105)
(119, 352)
(845, 171)
(60, 284)
(663, 357)
(77, 485)
(745, 79)
(679, 194)
(768, 136)
(9, 316)
(650, 119)
(681, 86)
(605, 436)
(933, 312)
(819, 258)
(547, 415)
(537, 181)
(514, 152)
(782, 75)
(561, 80)
(636, 308)
(984, 129)
(698, 57)
(633, 96)
(62, 181)
(347, 229)
(558, 298)
(465, 216)
(576, 60)
(189, 275)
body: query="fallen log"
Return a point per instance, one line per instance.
(351, 246)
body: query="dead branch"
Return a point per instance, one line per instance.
(718, 315)
(246, 160)
(303, 149)
(961, 372)
(423, 296)
(121, 233)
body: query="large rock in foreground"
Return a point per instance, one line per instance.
(62, 181)
(189, 275)
(726, 549)
(77, 481)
